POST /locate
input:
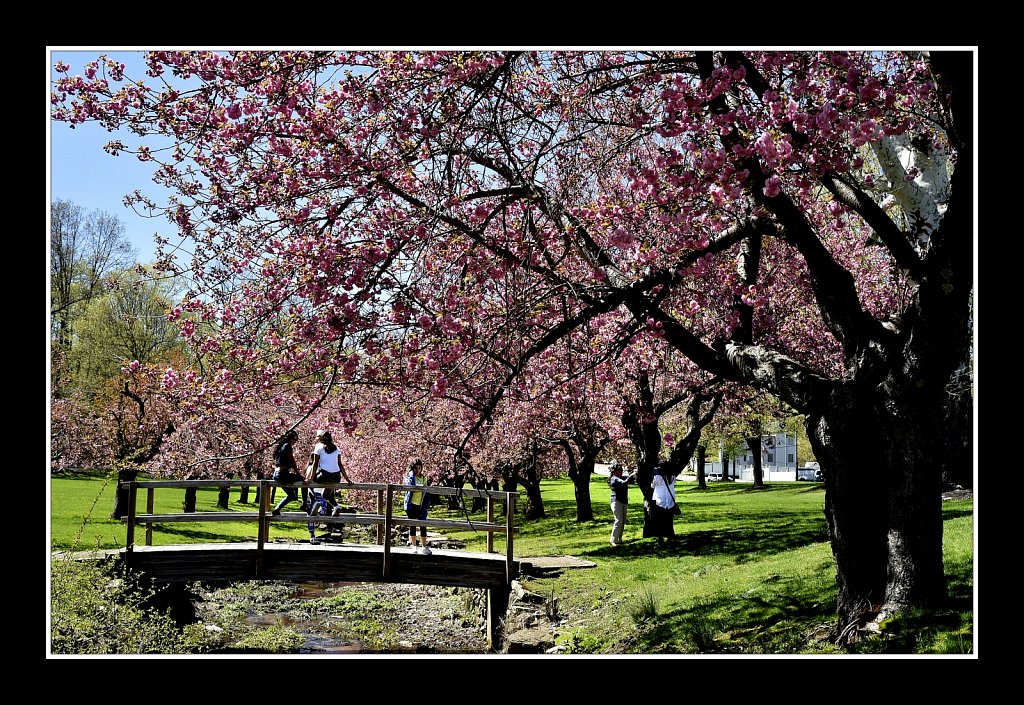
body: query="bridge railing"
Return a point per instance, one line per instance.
(383, 519)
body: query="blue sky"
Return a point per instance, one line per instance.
(80, 171)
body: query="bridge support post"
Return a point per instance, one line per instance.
(386, 568)
(149, 510)
(497, 607)
(129, 544)
(262, 528)
(490, 518)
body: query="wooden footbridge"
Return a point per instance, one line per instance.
(263, 559)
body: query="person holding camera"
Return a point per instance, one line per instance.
(618, 481)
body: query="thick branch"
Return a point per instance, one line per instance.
(683, 450)
(891, 236)
(136, 398)
(749, 268)
(679, 337)
(791, 381)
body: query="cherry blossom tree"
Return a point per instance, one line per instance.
(434, 222)
(122, 429)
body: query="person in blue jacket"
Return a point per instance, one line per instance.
(416, 504)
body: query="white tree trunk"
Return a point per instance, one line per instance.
(922, 198)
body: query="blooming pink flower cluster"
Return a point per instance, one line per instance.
(461, 226)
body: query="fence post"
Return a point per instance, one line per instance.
(509, 522)
(380, 510)
(149, 510)
(490, 519)
(387, 534)
(129, 544)
(262, 529)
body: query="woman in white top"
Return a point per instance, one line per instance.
(326, 464)
(663, 503)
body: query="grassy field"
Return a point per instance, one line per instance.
(752, 571)
(81, 502)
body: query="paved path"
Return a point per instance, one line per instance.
(556, 562)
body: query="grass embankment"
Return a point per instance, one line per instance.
(752, 571)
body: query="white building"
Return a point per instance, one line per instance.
(778, 460)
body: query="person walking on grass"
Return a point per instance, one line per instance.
(416, 504)
(618, 481)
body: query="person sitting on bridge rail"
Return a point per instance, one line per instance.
(285, 470)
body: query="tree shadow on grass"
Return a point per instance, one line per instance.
(770, 538)
(200, 536)
(80, 475)
(784, 615)
(797, 615)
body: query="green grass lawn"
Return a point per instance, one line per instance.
(752, 571)
(81, 502)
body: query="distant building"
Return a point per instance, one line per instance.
(778, 460)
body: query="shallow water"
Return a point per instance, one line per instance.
(315, 643)
(387, 619)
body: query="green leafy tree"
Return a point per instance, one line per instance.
(128, 323)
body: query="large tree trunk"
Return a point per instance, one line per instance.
(589, 442)
(702, 482)
(509, 483)
(528, 477)
(581, 488)
(524, 472)
(849, 451)
(882, 502)
(224, 495)
(754, 443)
(916, 576)
(121, 495)
(243, 494)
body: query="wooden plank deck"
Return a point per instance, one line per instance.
(325, 562)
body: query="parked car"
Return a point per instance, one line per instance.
(713, 477)
(809, 473)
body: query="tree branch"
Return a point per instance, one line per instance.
(793, 382)
(851, 196)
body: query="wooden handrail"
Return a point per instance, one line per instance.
(429, 489)
(383, 519)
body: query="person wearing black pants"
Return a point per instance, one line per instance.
(285, 470)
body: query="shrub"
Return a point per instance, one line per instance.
(94, 610)
(643, 608)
